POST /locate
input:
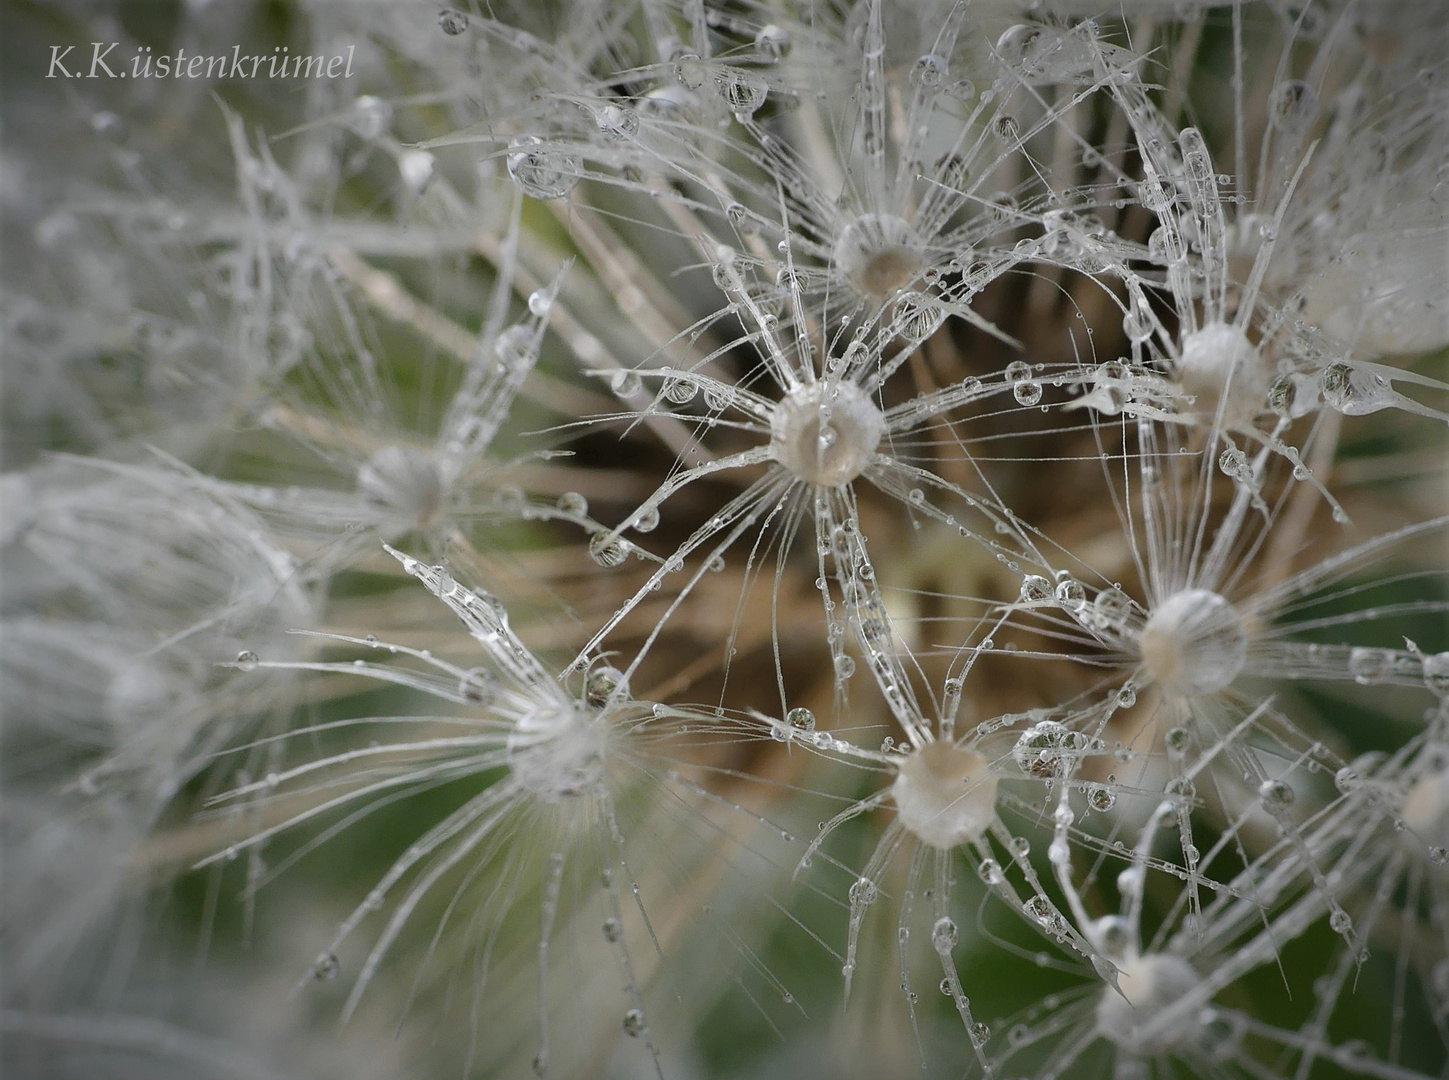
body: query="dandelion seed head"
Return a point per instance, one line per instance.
(138, 690)
(558, 753)
(1193, 643)
(879, 254)
(945, 794)
(1425, 810)
(858, 176)
(1219, 360)
(1150, 985)
(1436, 673)
(826, 433)
(404, 485)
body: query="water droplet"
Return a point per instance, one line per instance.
(326, 968)
(1040, 908)
(1006, 128)
(608, 551)
(1276, 794)
(617, 121)
(612, 930)
(1370, 665)
(540, 172)
(691, 70)
(416, 168)
(646, 520)
(1101, 798)
(1070, 594)
(945, 935)
(452, 21)
(1293, 106)
(625, 383)
(1035, 590)
(1047, 749)
(1178, 741)
(928, 71)
(515, 347)
(603, 684)
(1355, 392)
(772, 42)
(863, 892)
(634, 1023)
(247, 660)
(679, 391)
(743, 91)
(800, 719)
(1017, 42)
(371, 116)
(572, 502)
(918, 316)
(1436, 673)
(1347, 779)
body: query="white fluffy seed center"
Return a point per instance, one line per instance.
(1149, 985)
(878, 254)
(945, 794)
(1193, 643)
(1426, 810)
(558, 755)
(826, 433)
(404, 485)
(1219, 359)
